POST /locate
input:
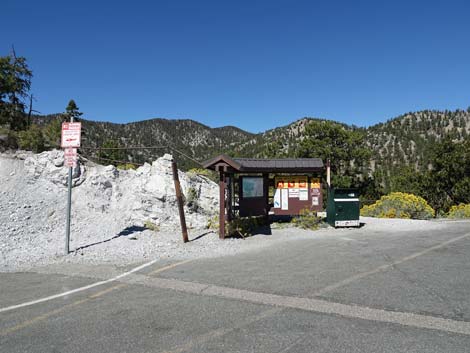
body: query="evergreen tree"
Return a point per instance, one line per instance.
(345, 149)
(111, 153)
(448, 183)
(72, 111)
(15, 83)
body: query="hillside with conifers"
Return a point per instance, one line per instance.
(408, 139)
(404, 140)
(189, 139)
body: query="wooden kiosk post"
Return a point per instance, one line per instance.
(221, 205)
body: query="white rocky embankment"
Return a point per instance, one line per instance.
(109, 209)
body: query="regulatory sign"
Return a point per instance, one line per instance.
(71, 135)
(70, 157)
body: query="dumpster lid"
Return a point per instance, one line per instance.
(345, 193)
(347, 199)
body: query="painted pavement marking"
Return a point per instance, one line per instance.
(76, 290)
(386, 266)
(306, 304)
(78, 302)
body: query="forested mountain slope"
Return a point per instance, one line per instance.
(189, 137)
(408, 139)
(404, 140)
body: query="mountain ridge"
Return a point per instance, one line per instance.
(403, 140)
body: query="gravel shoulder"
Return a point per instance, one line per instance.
(139, 245)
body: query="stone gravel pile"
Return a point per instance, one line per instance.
(110, 208)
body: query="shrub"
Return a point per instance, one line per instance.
(8, 139)
(52, 133)
(31, 139)
(399, 205)
(192, 194)
(459, 211)
(245, 226)
(199, 171)
(213, 222)
(152, 226)
(210, 174)
(307, 219)
(126, 166)
(191, 199)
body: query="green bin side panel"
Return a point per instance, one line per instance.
(330, 208)
(347, 211)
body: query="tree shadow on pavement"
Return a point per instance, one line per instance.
(130, 230)
(201, 235)
(123, 233)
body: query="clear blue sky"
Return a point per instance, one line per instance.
(252, 64)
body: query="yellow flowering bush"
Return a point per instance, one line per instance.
(399, 205)
(459, 211)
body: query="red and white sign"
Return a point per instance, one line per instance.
(70, 157)
(71, 135)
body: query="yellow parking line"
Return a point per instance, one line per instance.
(159, 270)
(105, 291)
(41, 317)
(78, 302)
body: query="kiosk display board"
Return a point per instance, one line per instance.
(253, 196)
(252, 187)
(292, 193)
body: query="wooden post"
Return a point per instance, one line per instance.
(221, 205)
(229, 198)
(328, 172)
(266, 196)
(179, 200)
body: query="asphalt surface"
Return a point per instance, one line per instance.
(356, 291)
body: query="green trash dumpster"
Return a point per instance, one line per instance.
(342, 209)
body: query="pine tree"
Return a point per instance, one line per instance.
(15, 83)
(72, 111)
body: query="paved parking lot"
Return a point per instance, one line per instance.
(356, 291)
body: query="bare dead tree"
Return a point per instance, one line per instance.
(31, 110)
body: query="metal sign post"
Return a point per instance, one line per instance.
(70, 141)
(69, 211)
